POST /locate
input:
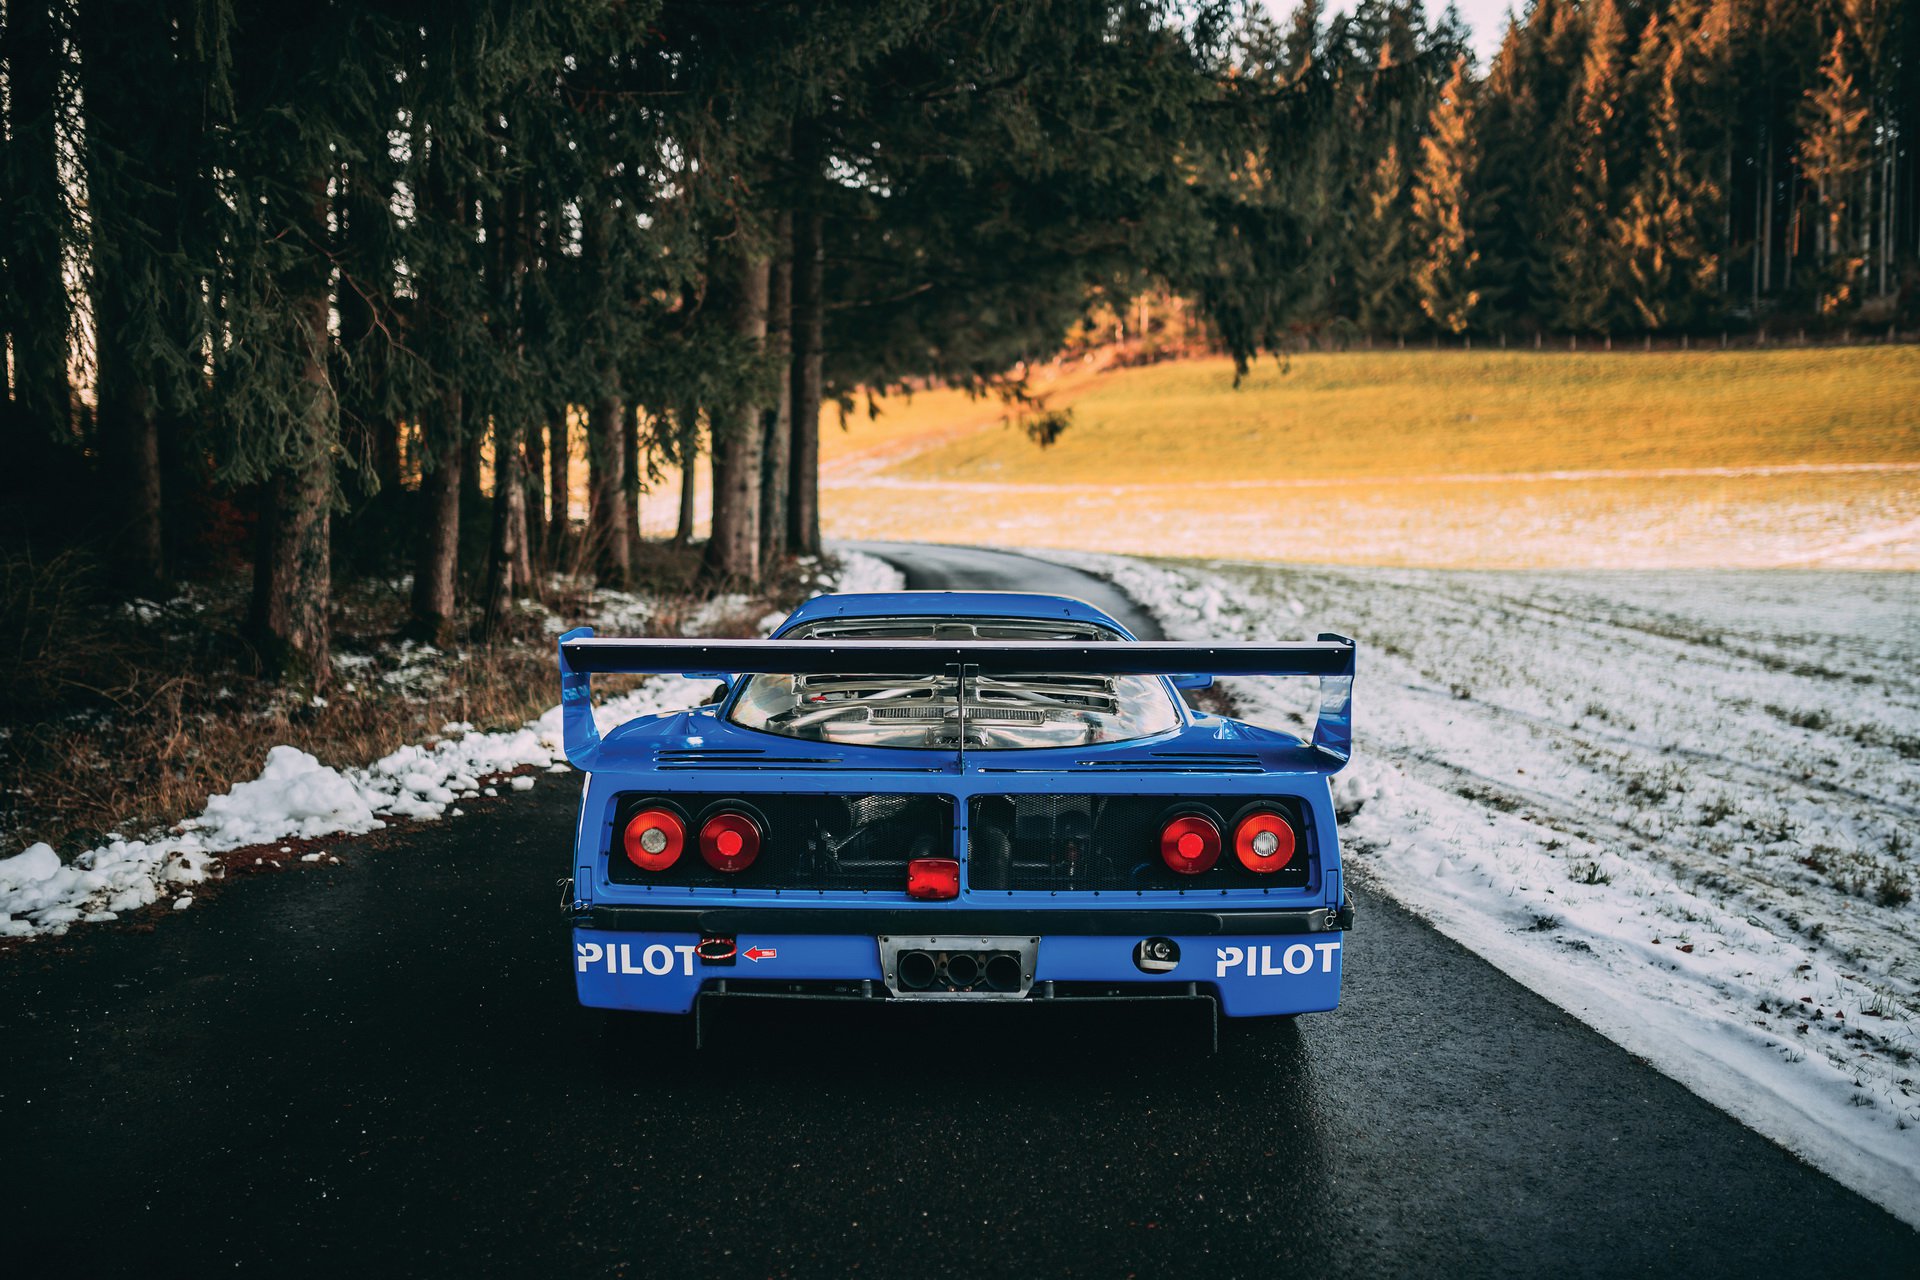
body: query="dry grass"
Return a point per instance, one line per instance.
(114, 723)
(1414, 414)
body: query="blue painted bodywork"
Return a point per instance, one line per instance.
(1250, 973)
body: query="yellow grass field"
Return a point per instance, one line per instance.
(1493, 460)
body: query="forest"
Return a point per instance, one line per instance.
(330, 291)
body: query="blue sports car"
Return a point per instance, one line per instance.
(932, 795)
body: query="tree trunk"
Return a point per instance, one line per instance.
(32, 218)
(778, 460)
(295, 583)
(131, 427)
(688, 423)
(630, 468)
(559, 489)
(733, 548)
(473, 440)
(435, 572)
(525, 581)
(809, 334)
(509, 567)
(607, 499)
(1884, 239)
(508, 551)
(1766, 220)
(535, 462)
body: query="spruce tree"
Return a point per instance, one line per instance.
(1505, 177)
(1383, 250)
(1663, 234)
(1446, 260)
(1835, 151)
(1586, 275)
(36, 224)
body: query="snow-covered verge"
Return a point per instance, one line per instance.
(1682, 806)
(297, 797)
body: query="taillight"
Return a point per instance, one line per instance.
(730, 841)
(1264, 842)
(1190, 844)
(654, 839)
(937, 878)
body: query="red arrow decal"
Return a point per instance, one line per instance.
(760, 953)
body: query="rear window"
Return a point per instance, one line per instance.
(1003, 712)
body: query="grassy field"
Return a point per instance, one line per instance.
(1432, 413)
(1709, 459)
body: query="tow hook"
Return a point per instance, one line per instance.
(717, 949)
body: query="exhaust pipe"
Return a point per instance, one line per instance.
(916, 970)
(963, 970)
(1003, 972)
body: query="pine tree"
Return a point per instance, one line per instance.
(1835, 151)
(132, 212)
(35, 225)
(1505, 162)
(1553, 45)
(1663, 235)
(1382, 250)
(1445, 258)
(1586, 276)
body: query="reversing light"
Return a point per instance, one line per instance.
(730, 841)
(933, 878)
(1190, 844)
(1264, 842)
(654, 839)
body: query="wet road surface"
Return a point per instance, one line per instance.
(378, 1067)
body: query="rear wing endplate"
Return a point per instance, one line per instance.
(584, 655)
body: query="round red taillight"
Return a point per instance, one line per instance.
(1190, 844)
(730, 841)
(654, 839)
(1264, 842)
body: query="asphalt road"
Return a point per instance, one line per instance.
(377, 1068)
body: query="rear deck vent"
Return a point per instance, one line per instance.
(1178, 762)
(736, 758)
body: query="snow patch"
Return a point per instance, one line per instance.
(860, 572)
(1678, 805)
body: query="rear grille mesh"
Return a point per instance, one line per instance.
(1069, 843)
(858, 842)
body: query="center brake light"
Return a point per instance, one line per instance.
(934, 878)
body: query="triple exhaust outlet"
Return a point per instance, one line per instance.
(960, 971)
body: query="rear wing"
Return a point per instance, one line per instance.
(584, 655)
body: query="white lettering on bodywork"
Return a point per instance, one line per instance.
(656, 959)
(1296, 958)
(1226, 958)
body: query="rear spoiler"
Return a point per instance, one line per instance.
(583, 655)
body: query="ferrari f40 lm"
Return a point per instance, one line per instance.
(956, 796)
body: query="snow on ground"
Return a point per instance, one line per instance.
(297, 797)
(861, 572)
(1682, 806)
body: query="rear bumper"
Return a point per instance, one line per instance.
(1252, 971)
